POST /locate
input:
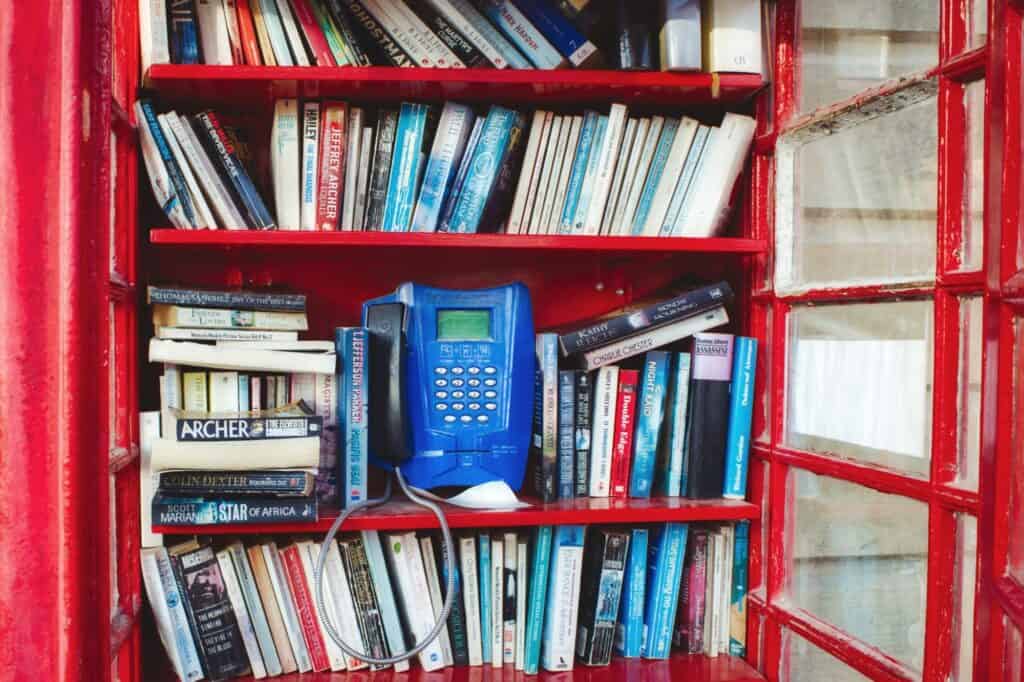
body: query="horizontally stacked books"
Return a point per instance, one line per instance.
(527, 599)
(517, 34)
(454, 169)
(658, 417)
(246, 426)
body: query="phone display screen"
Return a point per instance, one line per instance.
(463, 325)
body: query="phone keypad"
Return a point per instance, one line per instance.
(475, 377)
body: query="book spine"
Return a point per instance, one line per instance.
(262, 33)
(426, 544)
(339, 609)
(234, 35)
(608, 226)
(197, 483)
(268, 600)
(247, 428)
(471, 598)
(496, 208)
(665, 565)
(287, 605)
(562, 185)
(586, 190)
(327, 409)
(497, 600)
(650, 415)
(708, 418)
(523, 34)
(399, 190)
(238, 300)
(635, 186)
(445, 157)
(467, 25)
(196, 511)
(738, 594)
(292, 35)
(566, 433)
(561, 32)
(363, 179)
(625, 417)
(732, 41)
(522, 579)
(635, 38)
(187, 655)
(374, 36)
(407, 566)
(217, 318)
(602, 441)
(275, 31)
(332, 34)
(179, 334)
(354, 138)
(527, 171)
(657, 169)
(222, 201)
(560, 620)
(462, 48)
(671, 447)
(194, 394)
(485, 597)
(203, 219)
(486, 32)
(173, 169)
(364, 598)
(605, 171)
(510, 583)
(600, 593)
(184, 32)
(545, 190)
(234, 594)
(439, 52)
(356, 415)
(258, 213)
(304, 607)
(251, 597)
(390, 20)
(680, 37)
(153, 34)
(695, 159)
(213, 32)
(579, 168)
(631, 170)
(387, 122)
(457, 628)
(582, 424)
(483, 171)
(688, 636)
(540, 569)
(741, 408)
(315, 35)
(629, 632)
(310, 164)
(545, 433)
(452, 199)
(655, 338)
(385, 596)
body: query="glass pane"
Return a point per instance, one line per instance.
(860, 382)
(1015, 554)
(1013, 649)
(979, 23)
(847, 47)
(804, 662)
(969, 393)
(965, 572)
(860, 562)
(974, 180)
(865, 203)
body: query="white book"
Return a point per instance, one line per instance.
(724, 602)
(159, 177)
(522, 577)
(497, 600)
(252, 648)
(584, 200)
(718, 613)
(291, 32)
(670, 175)
(544, 180)
(213, 32)
(441, 55)
(608, 153)
(149, 432)
(602, 431)
(284, 164)
(733, 36)
(515, 218)
(712, 189)
(251, 596)
(342, 609)
(400, 29)
(510, 593)
(169, 613)
(274, 344)
(559, 648)
(407, 572)
(171, 398)
(335, 656)
(204, 218)
(639, 179)
(208, 179)
(562, 186)
(310, 163)
(245, 335)
(522, 34)
(223, 388)
(538, 168)
(551, 195)
(303, 387)
(363, 178)
(352, 156)
(654, 338)
(709, 596)
(436, 600)
(471, 598)
(467, 26)
(275, 32)
(153, 47)
(283, 453)
(617, 224)
(231, 17)
(620, 171)
(286, 605)
(241, 359)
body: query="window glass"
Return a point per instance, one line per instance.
(971, 250)
(969, 393)
(859, 382)
(847, 47)
(859, 561)
(965, 573)
(804, 662)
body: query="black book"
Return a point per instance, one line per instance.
(566, 433)
(379, 45)
(377, 194)
(496, 210)
(210, 617)
(172, 510)
(185, 46)
(457, 616)
(604, 565)
(231, 300)
(453, 40)
(581, 422)
(364, 597)
(280, 482)
(708, 420)
(635, 34)
(193, 429)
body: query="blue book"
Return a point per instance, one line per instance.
(275, 32)
(558, 649)
(184, 33)
(520, 32)
(485, 28)
(670, 473)
(243, 393)
(738, 598)
(540, 568)
(382, 588)
(173, 170)
(452, 197)
(676, 228)
(679, 195)
(589, 176)
(741, 409)
(484, 547)
(453, 130)
(649, 418)
(566, 433)
(561, 32)
(629, 633)
(488, 156)
(664, 572)
(353, 353)
(405, 167)
(579, 168)
(661, 152)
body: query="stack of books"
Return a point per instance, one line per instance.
(660, 416)
(246, 427)
(542, 598)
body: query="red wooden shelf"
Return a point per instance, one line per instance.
(402, 514)
(233, 84)
(397, 240)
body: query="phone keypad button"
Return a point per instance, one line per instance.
(441, 407)
(458, 370)
(458, 394)
(474, 394)
(473, 382)
(449, 419)
(458, 407)
(440, 383)
(440, 370)
(483, 418)
(465, 419)
(490, 406)
(490, 369)
(474, 370)
(490, 382)
(441, 395)
(458, 382)
(474, 406)
(489, 394)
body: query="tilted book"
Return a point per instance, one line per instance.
(453, 130)
(521, 32)
(484, 166)
(238, 605)
(664, 571)
(169, 613)
(561, 32)
(385, 596)
(450, 201)
(218, 144)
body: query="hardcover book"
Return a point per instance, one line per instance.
(707, 428)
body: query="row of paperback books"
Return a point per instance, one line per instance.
(423, 170)
(517, 34)
(543, 598)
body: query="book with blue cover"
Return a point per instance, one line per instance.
(661, 152)
(353, 411)
(681, 192)
(664, 571)
(184, 32)
(173, 170)
(521, 32)
(560, 619)
(650, 416)
(484, 546)
(566, 433)
(603, 570)
(411, 137)
(544, 449)
(385, 596)
(741, 410)
(706, 153)
(540, 568)
(580, 162)
(629, 632)
(453, 130)
(482, 174)
(738, 598)
(498, 204)
(670, 471)
(452, 196)
(589, 177)
(561, 32)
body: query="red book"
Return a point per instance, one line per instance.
(331, 175)
(314, 34)
(304, 607)
(231, 17)
(622, 444)
(247, 34)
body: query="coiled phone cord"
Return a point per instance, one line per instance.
(448, 558)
